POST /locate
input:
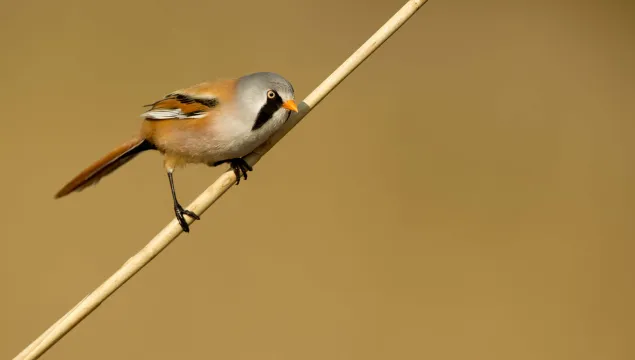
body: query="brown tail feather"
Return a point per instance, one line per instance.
(106, 165)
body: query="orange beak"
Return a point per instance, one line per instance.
(290, 105)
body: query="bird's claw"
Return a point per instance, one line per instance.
(239, 166)
(179, 211)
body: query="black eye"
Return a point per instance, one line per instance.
(271, 94)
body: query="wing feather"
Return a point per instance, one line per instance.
(180, 105)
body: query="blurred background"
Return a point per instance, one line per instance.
(467, 193)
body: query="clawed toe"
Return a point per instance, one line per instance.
(239, 166)
(191, 214)
(179, 212)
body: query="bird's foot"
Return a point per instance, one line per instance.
(239, 165)
(179, 212)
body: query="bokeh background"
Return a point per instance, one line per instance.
(467, 193)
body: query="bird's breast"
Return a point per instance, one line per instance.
(214, 140)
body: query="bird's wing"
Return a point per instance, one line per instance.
(191, 103)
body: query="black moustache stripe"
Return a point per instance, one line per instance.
(267, 111)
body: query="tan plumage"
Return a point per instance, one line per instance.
(183, 139)
(104, 166)
(212, 122)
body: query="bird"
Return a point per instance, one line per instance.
(213, 122)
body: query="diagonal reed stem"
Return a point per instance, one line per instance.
(66, 323)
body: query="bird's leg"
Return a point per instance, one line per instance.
(239, 165)
(178, 209)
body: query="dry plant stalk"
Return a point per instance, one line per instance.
(60, 328)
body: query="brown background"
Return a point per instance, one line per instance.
(466, 194)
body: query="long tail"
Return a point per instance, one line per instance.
(106, 165)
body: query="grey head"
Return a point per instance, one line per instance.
(265, 97)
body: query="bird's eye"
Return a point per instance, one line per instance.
(271, 94)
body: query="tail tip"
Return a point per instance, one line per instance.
(62, 192)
